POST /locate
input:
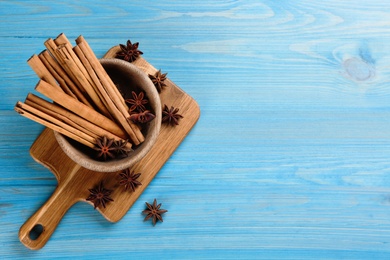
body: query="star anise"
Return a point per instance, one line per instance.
(137, 102)
(142, 117)
(105, 147)
(170, 115)
(153, 211)
(158, 80)
(129, 179)
(120, 147)
(99, 196)
(129, 52)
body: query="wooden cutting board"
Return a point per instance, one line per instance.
(74, 180)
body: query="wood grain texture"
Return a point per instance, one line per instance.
(74, 181)
(290, 158)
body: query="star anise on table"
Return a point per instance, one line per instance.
(137, 102)
(170, 115)
(105, 147)
(129, 180)
(99, 196)
(142, 117)
(129, 52)
(158, 80)
(153, 211)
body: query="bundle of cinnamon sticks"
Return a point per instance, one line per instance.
(86, 103)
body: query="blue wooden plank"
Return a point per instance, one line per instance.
(288, 160)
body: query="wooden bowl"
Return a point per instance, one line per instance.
(127, 77)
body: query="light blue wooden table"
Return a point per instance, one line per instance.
(290, 158)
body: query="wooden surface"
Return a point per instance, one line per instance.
(75, 181)
(290, 157)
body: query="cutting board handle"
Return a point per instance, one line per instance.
(37, 230)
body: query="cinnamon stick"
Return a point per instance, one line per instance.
(100, 89)
(40, 69)
(54, 124)
(118, 109)
(88, 49)
(97, 84)
(70, 118)
(81, 73)
(79, 108)
(62, 40)
(52, 48)
(89, 89)
(37, 104)
(62, 72)
(54, 73)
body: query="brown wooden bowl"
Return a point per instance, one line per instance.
(128, 78)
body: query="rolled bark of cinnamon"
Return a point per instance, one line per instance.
(88, 88)
(53, 123)
(79, 108)
(114, 100)
(70, 118)
(62, 72)
(40, 69)
(48, 64)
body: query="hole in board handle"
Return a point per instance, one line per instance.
(36, 231)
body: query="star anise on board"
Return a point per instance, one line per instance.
(129, 180)
(158, 80)
(153, 211)
(142, 117)
(99, 196)
(129, 52)
(137, 102)
(170, 115)
(105, 147)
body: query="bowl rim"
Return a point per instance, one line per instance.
(117, 165)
